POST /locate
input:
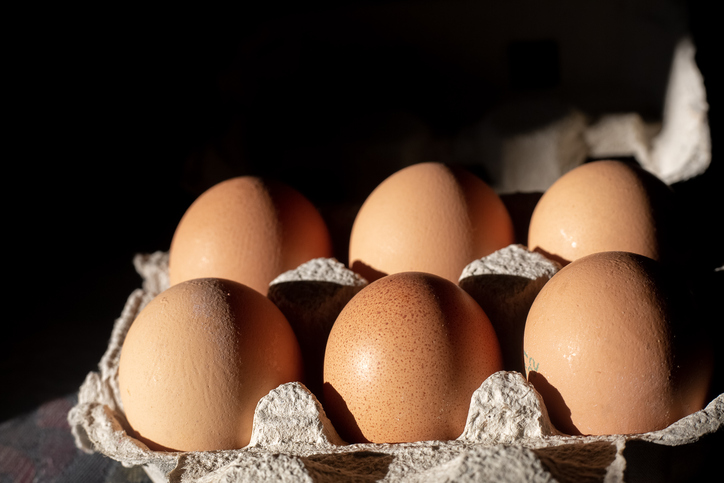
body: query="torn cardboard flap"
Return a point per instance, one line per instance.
(675, 147)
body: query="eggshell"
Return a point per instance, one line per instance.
(404, 358)
(428, 217)
(606, 345)
(249, 230)
(196, 361)
(607, 206)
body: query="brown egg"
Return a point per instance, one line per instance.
(248, 230)
(606, 206)
(428, 217)
(608, 344)
(404, 358)
(196, 361)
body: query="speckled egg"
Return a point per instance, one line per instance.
(611, 347)
(249, 230)
(607, 206)
(404, 358)
(197, 360)
(428, 217)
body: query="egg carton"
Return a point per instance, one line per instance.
(508, 435)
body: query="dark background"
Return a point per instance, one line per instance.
(119, 122)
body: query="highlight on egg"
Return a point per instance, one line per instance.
(611, 346)
(403, 360)
(249, 230)
(197, 360)
(428, 217)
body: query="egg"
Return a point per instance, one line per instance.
(197, 360)
(610, 346)
(428, 217)
(404, 358)
(607, 206)
(248, 230)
